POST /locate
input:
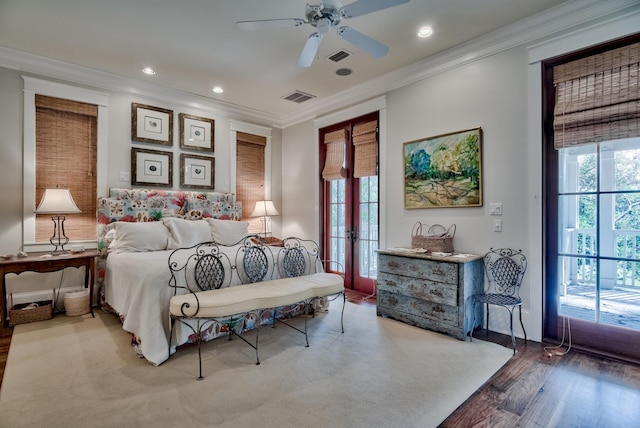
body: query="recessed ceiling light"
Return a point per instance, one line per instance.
(149, 71)
(425, 32)
(217, 89)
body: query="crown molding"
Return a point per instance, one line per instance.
(550, 23)
(43, 67)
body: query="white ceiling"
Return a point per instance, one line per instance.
(194, 44)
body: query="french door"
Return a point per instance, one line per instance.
(350, 215)
(592, 202)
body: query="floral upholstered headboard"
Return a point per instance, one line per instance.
(143, 205)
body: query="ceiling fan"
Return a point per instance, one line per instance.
(324, 17)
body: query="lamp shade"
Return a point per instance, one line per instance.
(264, 208)
(57, 201)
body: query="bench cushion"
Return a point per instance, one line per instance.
(238, 299)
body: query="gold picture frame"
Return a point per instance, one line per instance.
(196, 133)
(444, 171)
(151, 124)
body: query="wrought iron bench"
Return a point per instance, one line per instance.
(214, 283)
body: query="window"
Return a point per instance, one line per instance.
(592, 241)
(250, 174)
(66, 146)
(33, 87)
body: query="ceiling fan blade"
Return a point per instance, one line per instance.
(362, 7)
(267, 24)
(309, 51)
(366, 43)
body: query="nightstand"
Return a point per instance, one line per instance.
(45, 262)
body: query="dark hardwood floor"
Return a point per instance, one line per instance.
(5, 342)
(532, 389)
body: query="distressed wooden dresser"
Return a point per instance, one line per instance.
(430, 292)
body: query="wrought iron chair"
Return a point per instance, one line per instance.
(505, 269)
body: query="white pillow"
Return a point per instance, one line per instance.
(139, 237)
(186, 233)
(228, 232)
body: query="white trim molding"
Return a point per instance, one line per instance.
(33, 86)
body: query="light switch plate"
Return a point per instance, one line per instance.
(495, 208)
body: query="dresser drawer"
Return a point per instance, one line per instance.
(390, 303)
(416, 268)
(424, 289)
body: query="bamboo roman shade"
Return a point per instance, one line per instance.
(334, 160)
(66, 148)
(250, 172)
(597, 98)
(365, 142)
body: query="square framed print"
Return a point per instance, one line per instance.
(151, 167)
(444, 171)
(197, 172)
(196, 133)
(151, 124)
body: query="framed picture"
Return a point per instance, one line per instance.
(151, 124)
(196, 133)
(197, 172)
(151, 167)
(444, 171)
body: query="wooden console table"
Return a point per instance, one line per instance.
(430, 292)
(45, 262)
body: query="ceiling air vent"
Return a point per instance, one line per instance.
(339, 56)
(298, 97)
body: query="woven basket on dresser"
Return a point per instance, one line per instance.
(77, 303)
(433, 238)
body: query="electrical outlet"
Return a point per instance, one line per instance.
(497, 225)
(124, 176)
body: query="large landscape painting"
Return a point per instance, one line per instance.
(444, 171)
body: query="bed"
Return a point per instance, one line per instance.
(138, 229)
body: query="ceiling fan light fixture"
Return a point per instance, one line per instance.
(424, 32)
(325, 16)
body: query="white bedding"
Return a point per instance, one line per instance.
(136, 287)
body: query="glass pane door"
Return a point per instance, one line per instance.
(599, 233)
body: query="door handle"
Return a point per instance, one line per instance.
(352, 234)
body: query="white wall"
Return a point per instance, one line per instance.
(116, 160)
(10, 161)
(299, 181)
(499, 93)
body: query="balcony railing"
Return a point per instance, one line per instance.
(583, 271)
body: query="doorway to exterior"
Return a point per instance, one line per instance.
(350, 200)
(592, 203)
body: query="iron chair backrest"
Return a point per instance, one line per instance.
(298, 257)
(211, 265)
(505, 269)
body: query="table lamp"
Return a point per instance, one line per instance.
(57, 202)
(264, 209)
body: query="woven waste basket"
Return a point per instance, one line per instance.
(77, 303)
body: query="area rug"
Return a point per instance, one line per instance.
(81, 371)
